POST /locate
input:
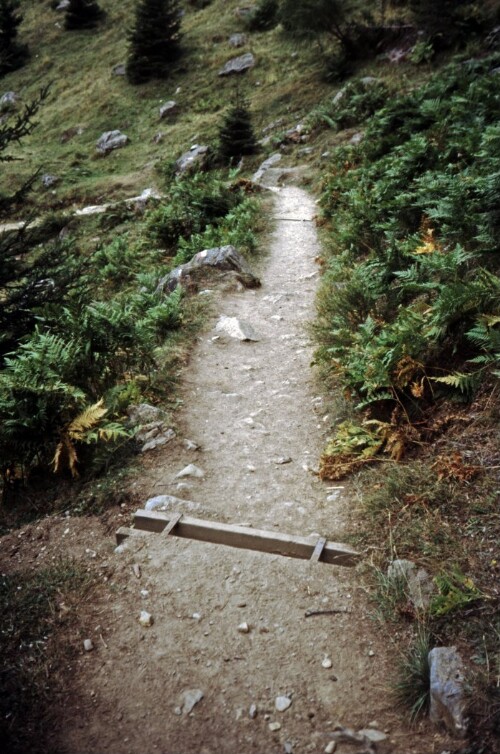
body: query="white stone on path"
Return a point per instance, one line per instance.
(236, 328)
(282, 703)
(190, 470)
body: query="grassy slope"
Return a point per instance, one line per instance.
(85, 93)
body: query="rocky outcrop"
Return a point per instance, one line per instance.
(447, 678)
(241, 64)
(195, 159)
(222, 258)
(110, 140)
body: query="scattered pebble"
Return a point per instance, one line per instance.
(146, 619)
(244, 628)
(87, 645)
(137, 570)
(196, 616)
(190, 470)
(371, 653)
(191, 697)
(241, 603)
(330, 748)
(190, 445)
(326, 663)
(288, 747)
(373, 735)
(177, 711)
(274, 726)
(144, 593)
(282, 703)
(282, 460)
(252, 711)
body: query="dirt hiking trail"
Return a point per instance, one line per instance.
(250, 406)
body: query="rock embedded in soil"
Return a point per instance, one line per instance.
(225, 259)
(417, 583)
(447, 678)
(244, 628)
(190, 470)
(88, 645)
(373, 735)
(146, 619)
(236, 328)
(191, 698)
(282, 703)
(110, 140)
(238, 65)
(252, 711)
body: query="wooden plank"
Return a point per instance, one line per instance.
(172, 523)
(318, 550)
(246, 538)
(124, 532)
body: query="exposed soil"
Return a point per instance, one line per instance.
(249, 406)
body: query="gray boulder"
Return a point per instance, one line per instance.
(417, 583)
(447, 690)
(144, 413)
(272, 160)
(236, 328)
(195, 159)
(168, 109)
(237, 40)
(8, 101)
(223, 258)
(241, 64)
(110, 140)
(48, 180)
(120, 69)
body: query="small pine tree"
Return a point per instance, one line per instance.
(154, 40)
(445, 18)
(12, 54)
(236, 137)
(82, 14)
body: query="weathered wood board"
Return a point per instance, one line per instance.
(243, 537)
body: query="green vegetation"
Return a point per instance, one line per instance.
(90, 338)
(412, 688)
(413, 286)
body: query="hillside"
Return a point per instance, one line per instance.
(370, 251)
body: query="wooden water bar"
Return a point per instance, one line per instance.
(243, 537)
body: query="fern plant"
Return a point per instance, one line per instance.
(87, 427)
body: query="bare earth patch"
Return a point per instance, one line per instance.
(229, 623)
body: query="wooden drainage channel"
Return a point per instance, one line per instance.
(244, 537)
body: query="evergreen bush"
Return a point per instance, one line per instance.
(82, 14)
(236, 136)
(154, 42)
(13, 54)
(264, 16)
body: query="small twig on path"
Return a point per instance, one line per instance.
(333, 611)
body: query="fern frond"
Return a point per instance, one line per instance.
(65, 454)
(463, 382)
(86, 420)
